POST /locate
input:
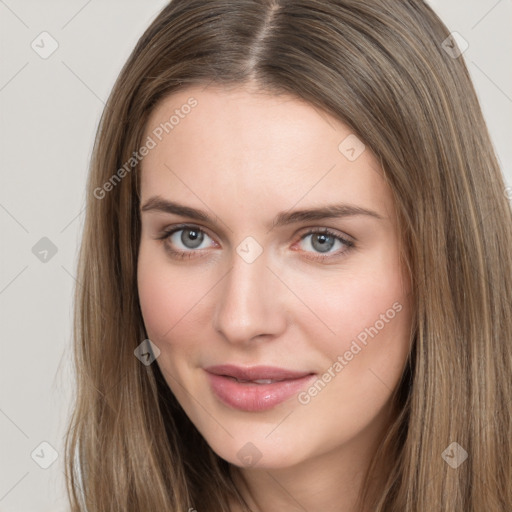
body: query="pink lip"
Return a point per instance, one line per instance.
(250, 396)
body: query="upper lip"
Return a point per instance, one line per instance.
(256, 372)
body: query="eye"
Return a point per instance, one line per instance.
(182, 241)
(323, 240)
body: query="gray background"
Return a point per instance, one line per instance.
(49, 113)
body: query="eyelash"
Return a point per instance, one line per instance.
(166, 234)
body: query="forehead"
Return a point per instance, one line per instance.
(253, 149)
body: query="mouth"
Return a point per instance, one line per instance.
(257, 388)
(257, 381)
(256, 373)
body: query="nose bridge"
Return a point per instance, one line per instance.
(248, 301)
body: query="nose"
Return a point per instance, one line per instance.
(250, 302)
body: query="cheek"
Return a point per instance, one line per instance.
(172, 300)
(369, 310)
(364, 358)
(157, 302)
(163, 298)
(360, 303)
(373, 338)
(369, 315)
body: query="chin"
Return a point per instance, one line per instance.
(258, 454)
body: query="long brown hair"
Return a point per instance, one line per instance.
(381, 67)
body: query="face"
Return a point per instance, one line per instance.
(230, 273)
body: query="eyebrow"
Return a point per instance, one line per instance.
(159, 204)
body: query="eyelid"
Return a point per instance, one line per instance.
(325, 229)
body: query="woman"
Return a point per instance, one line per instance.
(295, 272)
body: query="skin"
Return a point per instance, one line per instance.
(243, 156)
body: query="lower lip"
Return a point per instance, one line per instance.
(253, 397)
